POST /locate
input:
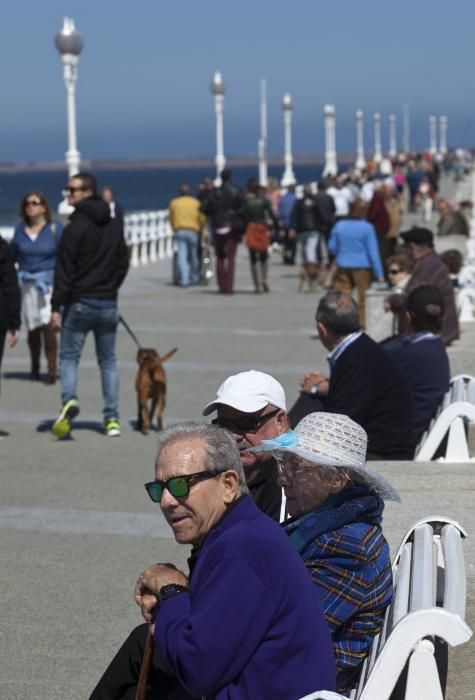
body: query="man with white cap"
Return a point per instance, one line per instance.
(336, 505)
(251, 405)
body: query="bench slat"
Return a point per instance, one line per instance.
(400, 602)
(423, 574)
(455, 592)
(471, 391)
(458, 390)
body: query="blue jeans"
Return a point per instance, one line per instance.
(187, 257)
(78, 321)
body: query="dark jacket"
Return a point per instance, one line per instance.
(305, 215)
(368, 386)
(224, 207)
(265, 492)
(378, 214)
(424, 361)
(326, 210)
(92, 257)
(432, 270)
(251, 625)
(10, 300)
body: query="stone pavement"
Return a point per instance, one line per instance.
(76, 525)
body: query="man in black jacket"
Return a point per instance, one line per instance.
(91, 265)
(365, 383)
(251, 405)
(224, 207)
(10, 300)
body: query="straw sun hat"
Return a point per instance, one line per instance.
(333, 440)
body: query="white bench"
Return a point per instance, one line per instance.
(454, 419)
(426, 614)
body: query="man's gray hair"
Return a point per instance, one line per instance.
(221, 451)
(338, 311)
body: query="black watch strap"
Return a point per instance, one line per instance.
(170, 590)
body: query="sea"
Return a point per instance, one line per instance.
(135, 190)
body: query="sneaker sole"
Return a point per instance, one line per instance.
(62, 426)
(113, 433)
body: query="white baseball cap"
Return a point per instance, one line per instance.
(248, 392)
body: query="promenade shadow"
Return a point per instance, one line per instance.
(23, 376)
(46, 425)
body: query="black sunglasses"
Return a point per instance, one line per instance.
(393, 271)
(246, 424)
(33, 202)
(72, 190)
(178, 486)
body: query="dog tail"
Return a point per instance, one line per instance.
(164, 358)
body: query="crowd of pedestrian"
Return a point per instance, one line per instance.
(289, 576)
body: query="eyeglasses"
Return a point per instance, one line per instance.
(178, 486)
(246, 424)
(33, 202)
(393, 271)
(72, 190)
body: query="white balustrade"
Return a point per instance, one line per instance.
(150, 237)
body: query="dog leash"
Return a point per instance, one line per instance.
(129, 331)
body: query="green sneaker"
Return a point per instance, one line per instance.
(62, 425)
(112, 427)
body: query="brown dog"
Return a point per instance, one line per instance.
(308, 275)
(150, 385)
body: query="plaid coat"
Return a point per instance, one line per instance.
(350, 566)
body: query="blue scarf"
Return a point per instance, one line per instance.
(355, 504)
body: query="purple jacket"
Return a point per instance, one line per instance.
(251, 627)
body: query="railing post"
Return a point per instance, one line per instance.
(153, 236)
(143, 238)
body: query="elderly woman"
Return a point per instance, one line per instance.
(336, 505)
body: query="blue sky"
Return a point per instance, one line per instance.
(144, 74)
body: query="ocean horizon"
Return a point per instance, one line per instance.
(135, 189)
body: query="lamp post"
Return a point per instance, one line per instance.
(406, 134)
(217, 89)
(331, 167)
(288, 178)
(378, 152)
(443, 122)
(262, 143)
(392, 136)
(69, 44)
(360, 163)
(433, 135)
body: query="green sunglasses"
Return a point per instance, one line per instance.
(178, 486)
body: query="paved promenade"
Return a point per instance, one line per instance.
(76, 524)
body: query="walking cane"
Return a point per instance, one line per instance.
(145, 667)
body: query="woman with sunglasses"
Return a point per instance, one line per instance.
(34, 248)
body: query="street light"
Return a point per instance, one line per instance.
(360, 159)
(217, 90)
(69, 44)
(331, 167)
(288, 178)
(378, 151)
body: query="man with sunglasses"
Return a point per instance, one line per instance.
(251, 405)
(91, 265)
(246, 622)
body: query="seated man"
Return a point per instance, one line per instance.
(251, 405)
(421, 354)
(246, 623)
(365, 383)
(336, 506)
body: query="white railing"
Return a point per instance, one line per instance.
(149, 236)
(147, 233)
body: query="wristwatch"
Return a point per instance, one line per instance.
(170, 590)
(314, 389)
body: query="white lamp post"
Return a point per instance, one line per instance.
(69, 44)
(378, 151)
(331, 166)
(262, 143)
(392, 136)
(433, 135)
(288, 178)
(443, 122)
(217, 89)
(406, 134)
(360, 159)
